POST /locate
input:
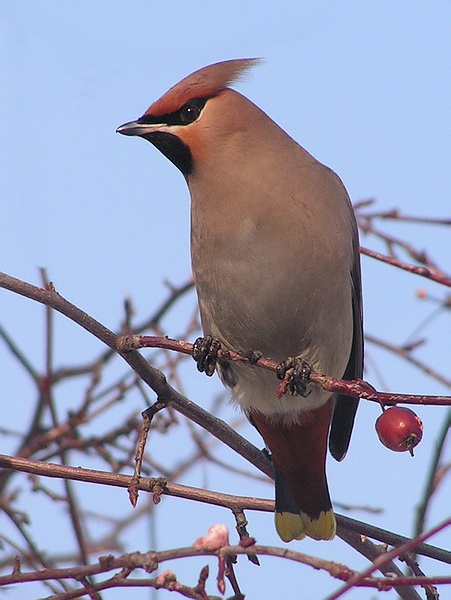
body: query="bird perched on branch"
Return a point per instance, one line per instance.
(275, 257)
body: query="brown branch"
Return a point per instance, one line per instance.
(408, 546)
(124, 346)
(395, 215)
(368, 549)
(388, 537)
(430, 590)
(232, 502)
(151, 376)
(407, 355)
(358, 388)
(166, 394)
(430, 486)
(150, 561)
(366, 225)
(150, 323)
(423, 580)
(422, 271)
(19, 355)
(48, 398)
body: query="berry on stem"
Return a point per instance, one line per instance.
(399, 429)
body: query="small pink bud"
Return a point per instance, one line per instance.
(216, 537)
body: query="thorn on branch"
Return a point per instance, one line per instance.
(133, 491)
(17, 566)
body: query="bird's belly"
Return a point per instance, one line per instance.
(280, 315)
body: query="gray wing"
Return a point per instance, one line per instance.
(346, 406)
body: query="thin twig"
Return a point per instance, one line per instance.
(407, 355)
(430, 486)
(359, 389)
(427, 272)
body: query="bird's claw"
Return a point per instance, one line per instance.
(205, 353)
(298, 371)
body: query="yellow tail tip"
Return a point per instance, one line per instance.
(291, 526)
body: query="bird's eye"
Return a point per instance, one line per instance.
(189, 113)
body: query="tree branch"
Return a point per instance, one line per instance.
(232, 502)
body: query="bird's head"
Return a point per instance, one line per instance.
(198, 111)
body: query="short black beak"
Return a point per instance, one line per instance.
(132, 128)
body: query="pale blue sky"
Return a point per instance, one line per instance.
(364, 86)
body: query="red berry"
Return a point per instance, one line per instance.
(399, 429)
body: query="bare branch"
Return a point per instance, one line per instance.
(359, 389)
(232, 502)
(423, 271)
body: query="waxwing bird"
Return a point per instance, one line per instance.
(275, 258)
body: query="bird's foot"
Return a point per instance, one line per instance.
(296, 373)
(205, 353)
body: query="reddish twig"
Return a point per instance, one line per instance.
(232, 502)
(371, 551)
(427, 272)
(407, 355)
(395, 215)
(431, 483)
(388, 556)
(359, 389)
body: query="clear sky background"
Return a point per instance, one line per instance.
(364, 86)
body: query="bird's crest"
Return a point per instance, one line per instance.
(208, 81)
